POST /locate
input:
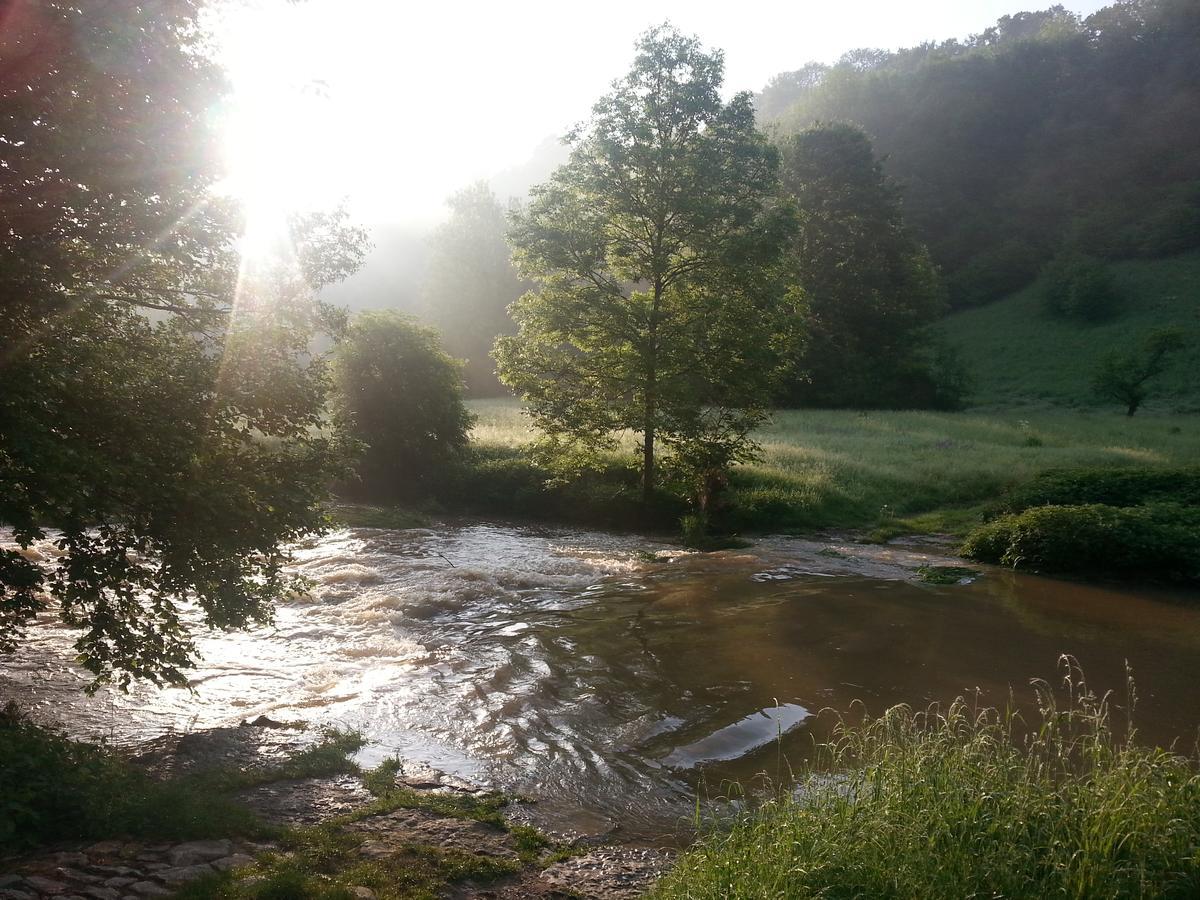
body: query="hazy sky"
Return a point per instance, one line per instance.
(395, 105)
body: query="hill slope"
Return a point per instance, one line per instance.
(1020, 356)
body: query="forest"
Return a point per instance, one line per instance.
(686, 513)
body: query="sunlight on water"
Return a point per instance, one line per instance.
(606, 675)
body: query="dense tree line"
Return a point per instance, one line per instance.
(1043, 133)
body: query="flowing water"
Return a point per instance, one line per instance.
(608, 677)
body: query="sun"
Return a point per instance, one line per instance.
(284, 135)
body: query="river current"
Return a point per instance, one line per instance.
(609, 677)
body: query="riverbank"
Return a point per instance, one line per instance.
(263, 811)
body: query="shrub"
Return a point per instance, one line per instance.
(994, 273)
(1079, 287)
(400, 395)
(1160, 541)
(1173, 226)
(1111, 487)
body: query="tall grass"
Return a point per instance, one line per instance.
(967, 802)
(837, 469)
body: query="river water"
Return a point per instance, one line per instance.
(609, 677)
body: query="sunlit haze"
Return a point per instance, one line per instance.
(394, 106)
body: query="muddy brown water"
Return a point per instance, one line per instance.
(609, 678)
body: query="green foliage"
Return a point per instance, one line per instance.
(869, 288)
(470, 283)
(1019, 356)
(164, 436)
(1011, 140)
(655, 249)
(55, 789)
(1157, 541)
(400, 395)
(993, 272)
(1080, 287)
(965, 802)
(323, 863)
(1123, 377)
(916, 471)
(945, 574)
(1110, 487)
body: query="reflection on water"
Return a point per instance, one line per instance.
(574, 668)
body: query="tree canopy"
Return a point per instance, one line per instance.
(655, 249)
(1124, 377)
(870, 289)
(400, 395)
(1042, 132)
(470, 284)
(159, 419)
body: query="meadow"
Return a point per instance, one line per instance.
(895, 472)
(1019, 356)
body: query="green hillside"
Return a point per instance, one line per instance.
(1020, 356)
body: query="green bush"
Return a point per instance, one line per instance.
(1159, 541)
(991, 274)
(1079, 287)
(400, 396)
(960, 802)
(1111, 487)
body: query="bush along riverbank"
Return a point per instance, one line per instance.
(259, 813)
(1122, 523)
(966, 802)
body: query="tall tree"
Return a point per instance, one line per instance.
(655, 250)
(471, 282)
(159, 411)
(869, 287)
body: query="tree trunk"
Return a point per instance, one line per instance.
(651, 405)
(1133, 406)
(648, 448)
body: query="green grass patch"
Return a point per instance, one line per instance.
(892, 472)
(946, 574)
(960, 802)
(1018, 355)
(531, 844)
(55, 789)
(323, 863)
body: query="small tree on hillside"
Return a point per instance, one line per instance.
(1122, 377)
(400, 395)
(655, 248)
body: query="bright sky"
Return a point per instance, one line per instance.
(395, 105)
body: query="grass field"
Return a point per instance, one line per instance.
(1019, 356)
(903, 471)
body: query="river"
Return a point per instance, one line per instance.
(610, 677)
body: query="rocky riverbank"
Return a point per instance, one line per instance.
(425, 838)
